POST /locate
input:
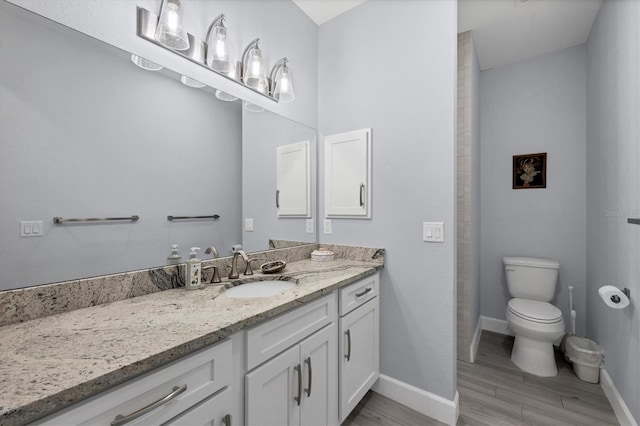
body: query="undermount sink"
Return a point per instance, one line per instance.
(258, 289)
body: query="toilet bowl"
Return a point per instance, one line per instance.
(535, 322)
(536, 326)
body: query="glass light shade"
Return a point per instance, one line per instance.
(218, 47)
(145, 63)
(224, 96)
(283, 90)
(187, 81)
(170, 31)
(252, 107)
(254, 74)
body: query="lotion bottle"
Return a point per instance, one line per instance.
(194, 270)
(174, 258)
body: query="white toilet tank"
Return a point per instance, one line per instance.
(531, 278)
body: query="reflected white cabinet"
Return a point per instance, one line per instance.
(297, 387)
(359, 365)
(348, 174)
(293, 168)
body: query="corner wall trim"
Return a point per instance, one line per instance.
(424, 402)
(615, 399)
(475, 341)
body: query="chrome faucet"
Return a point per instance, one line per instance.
(215, 278)
(234, 265)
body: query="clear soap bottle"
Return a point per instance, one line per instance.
(194, 270)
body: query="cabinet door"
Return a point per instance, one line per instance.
(320, 378)
(218, 410)
(359, 354)
(293, 192)
(348, 174)
(274, 391)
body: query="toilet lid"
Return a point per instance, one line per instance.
(532, 310)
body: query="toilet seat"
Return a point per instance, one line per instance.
(535, 311)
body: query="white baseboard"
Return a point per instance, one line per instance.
(424, 402)
(615, 399)
(475, 341)
(496, 325)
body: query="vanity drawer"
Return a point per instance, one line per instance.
(274, 336)
(202, 373)
(358, 293)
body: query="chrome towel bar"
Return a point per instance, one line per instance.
(214, 217)
(59, 220)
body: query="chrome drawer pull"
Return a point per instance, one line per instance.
(362, 195)
(226, 420)
(120, 419)
(364, 292)
(348, 355)
(299, 397)
(277, 199)
(308, 362)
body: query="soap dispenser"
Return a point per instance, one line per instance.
(194, 270)
(174, 258)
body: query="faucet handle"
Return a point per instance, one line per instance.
(247, 269)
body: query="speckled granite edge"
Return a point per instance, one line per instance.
(29, 303)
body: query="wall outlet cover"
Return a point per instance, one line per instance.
(248, 224)
(327, 226)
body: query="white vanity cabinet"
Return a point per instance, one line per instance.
(348, 174)
(193, 390)
(359, 324)
(298, 382)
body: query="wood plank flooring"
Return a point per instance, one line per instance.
(493, 391)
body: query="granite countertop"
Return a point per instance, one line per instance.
(52, 362)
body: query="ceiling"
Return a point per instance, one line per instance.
(504, 31)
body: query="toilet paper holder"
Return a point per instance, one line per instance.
(616, 299)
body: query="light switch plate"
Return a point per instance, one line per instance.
(32, 228)
(309, 228)
(433, 232)
(327, 226)
(248, 224)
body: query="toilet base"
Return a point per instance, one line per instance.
(534, 356)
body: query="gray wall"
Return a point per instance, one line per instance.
(283, 28)
(262, 133)
(613, 182)
(86, 133)
(536, 105)
(391, 65)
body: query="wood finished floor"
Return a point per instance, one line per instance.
(493, 391)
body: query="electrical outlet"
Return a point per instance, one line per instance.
(309, 226)
(248, 224)
(327, 226)
(31, 228)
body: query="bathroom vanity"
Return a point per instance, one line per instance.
(198, 357)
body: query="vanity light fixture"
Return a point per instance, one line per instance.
(218, 46)
(281, 86)
(253, 74)
(170, 31)
(145, 64)
(195, 53)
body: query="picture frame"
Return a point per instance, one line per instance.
(530, 171)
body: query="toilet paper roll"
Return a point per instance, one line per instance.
(613, 297)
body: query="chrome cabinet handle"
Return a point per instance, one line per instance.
(120, 419)
(226, 420)
(308, 362)
(348, 355)
(299, 397)
(362, 195)
(277, 198)
(364, 292)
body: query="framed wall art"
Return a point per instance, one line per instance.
(530, 171)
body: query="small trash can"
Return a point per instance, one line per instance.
(586, 356)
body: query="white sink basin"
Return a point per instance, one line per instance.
(258, 289)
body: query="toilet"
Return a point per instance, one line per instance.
(536, 323)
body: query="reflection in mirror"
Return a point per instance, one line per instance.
(85, 134)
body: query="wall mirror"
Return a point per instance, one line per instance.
(87, 134)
